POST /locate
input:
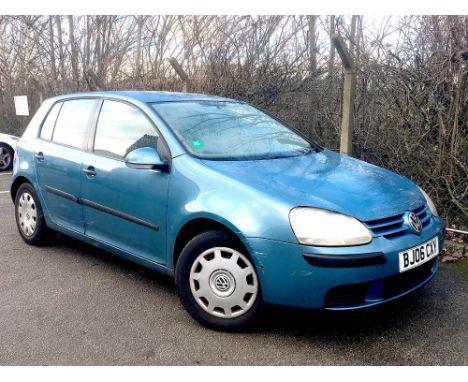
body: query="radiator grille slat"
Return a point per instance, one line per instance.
(394, 226)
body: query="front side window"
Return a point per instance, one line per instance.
(72, 121)
(230, 131)
(121, 129)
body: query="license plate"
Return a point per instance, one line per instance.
(413, 257)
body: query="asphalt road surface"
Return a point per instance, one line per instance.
(72, 304)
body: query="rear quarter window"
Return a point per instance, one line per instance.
(49, 123)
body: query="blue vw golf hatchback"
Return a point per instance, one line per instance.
(241, 209)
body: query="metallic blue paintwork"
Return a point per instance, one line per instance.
(305, 286)
(251, 198)
(140, 193)
(328, 180)
(60, 169)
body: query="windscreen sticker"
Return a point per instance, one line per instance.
(196, 144)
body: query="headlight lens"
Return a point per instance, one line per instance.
(314, 226)
(430, 203)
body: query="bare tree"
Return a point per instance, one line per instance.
(411, 109)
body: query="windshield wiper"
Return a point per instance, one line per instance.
(290, 154)
(310, 149)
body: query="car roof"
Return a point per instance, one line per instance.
(146, 96)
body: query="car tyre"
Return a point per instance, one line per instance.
(217, 282)
(30, 217)
(6, 157)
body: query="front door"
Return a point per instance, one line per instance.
(124, 207)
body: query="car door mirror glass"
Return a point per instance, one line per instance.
(146, 158)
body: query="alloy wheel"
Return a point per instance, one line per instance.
(5, 158)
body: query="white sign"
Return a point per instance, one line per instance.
(21, 105)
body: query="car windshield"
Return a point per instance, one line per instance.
(230, 131)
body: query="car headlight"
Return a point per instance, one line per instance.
(314, 226)
(430, 203)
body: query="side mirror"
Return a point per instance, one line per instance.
(146, 158)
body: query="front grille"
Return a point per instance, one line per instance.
(394, 226)
(395, 285)
(343, 295)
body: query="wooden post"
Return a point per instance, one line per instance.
(181, 73)
(349, 90)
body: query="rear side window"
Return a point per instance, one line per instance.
(49, 123)
(122, 128)
(72, 121)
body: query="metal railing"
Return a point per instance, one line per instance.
(456, 231)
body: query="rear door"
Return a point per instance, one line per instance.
(125, 207)
(58, 160)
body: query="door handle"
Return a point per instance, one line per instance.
(90, 171)
(39, 156)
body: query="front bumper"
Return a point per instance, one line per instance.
(340, 280)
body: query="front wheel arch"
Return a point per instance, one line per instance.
(196, 226)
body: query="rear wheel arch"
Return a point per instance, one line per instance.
(29, 216)
(16, 185)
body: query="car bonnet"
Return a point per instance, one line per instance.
(327, 180)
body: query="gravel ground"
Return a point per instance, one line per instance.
(72, 304)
